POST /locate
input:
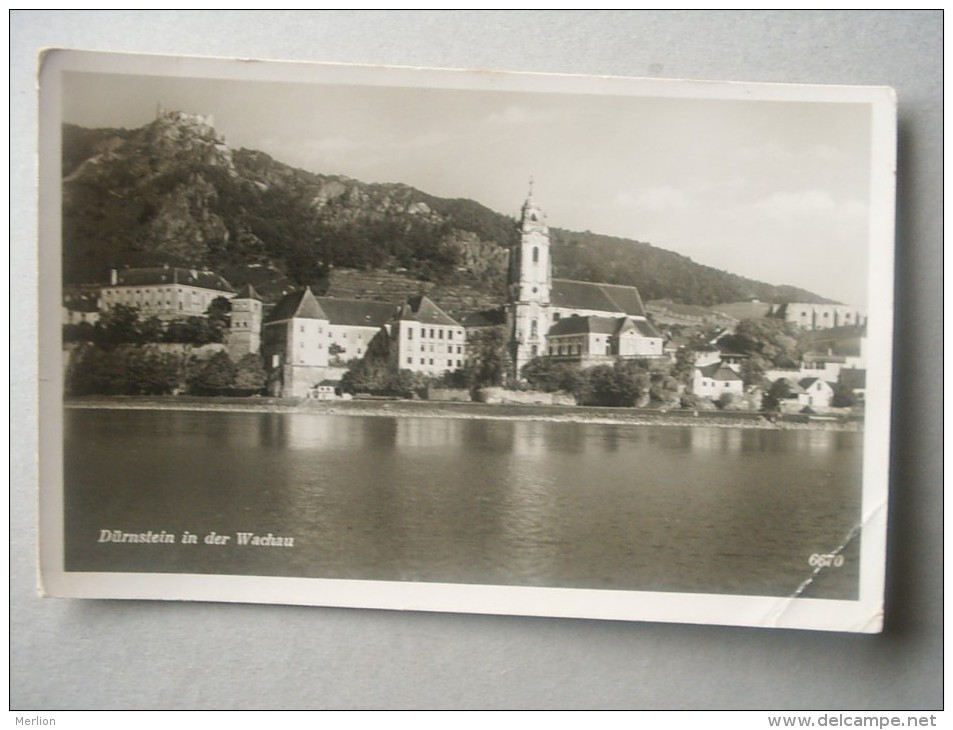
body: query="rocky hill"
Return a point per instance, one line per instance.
(175, 192)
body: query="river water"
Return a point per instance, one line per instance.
(657, 508)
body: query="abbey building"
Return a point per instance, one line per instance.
(576, 321)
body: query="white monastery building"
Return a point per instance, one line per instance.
(167, 292)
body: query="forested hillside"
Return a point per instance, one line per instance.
(174, 192)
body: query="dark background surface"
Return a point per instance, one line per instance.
(70, 654)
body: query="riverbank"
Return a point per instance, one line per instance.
(435, 409)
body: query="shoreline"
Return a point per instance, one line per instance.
(461, 410)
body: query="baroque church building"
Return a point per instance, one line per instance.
(572, 321)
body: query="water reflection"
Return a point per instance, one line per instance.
(525, 503)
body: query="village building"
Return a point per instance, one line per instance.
(80, 310)
(815, 393)
(425, 339)
(538, 304)
(166, 292)
(352, 324)
(329, 389)
(821, 316)
(715, 380)
(307, 340)
(294, 344)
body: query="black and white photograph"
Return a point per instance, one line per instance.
(465, 341)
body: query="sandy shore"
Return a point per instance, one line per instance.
(433, 409)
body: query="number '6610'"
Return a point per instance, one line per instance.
(829, 560)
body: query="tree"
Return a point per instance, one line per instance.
(94, 371)
(215, 376)
(622, 384)
(725, 400)
(80, 332)
(334, 352)
(843, 395)
(123, 370)
(752, 370)
(150, 372)
(369, 375)
(250, 374)
(780, 390)
(684, 368)
(219, 316)
(488, 361)
(546, 374)
(117, 326)
(664, 389)
(777, 342)
(405, 383)
(194, 331)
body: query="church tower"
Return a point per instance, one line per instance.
(529, 283)
(244, 336)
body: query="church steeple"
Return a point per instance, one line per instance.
(530, 276)
(530, 283)
(531, 216)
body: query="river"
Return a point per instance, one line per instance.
(649, 508)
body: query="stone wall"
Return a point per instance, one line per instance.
(449, 394)
(525, 397)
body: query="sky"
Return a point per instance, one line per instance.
(777, 191)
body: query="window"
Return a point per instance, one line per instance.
(449, 363)
(535, 255)
(410, 333)
(533, 330)
(431, 331)
(431, 361)
(449, 334)
(439, 334)
(421, 361)
(556, 316)
(410, 361)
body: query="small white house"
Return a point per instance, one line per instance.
(713, 381)
(816, 393)
(329, 390)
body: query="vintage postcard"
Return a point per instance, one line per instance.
(465, 341)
